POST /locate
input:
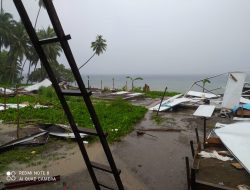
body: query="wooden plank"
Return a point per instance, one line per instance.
(242, 112)
(213, 141)
(202, 185)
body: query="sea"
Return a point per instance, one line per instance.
(177, 83)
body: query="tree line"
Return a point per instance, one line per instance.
(16, 51)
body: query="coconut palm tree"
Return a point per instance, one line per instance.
(41, 5)
(133, 79)
(17, 49)
(4, 67)
(99, 46)
(7, 24)
(51, 50)
(33, 60)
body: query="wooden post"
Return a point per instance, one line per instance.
(101, 85)
(188, 172)
(5, 98)
(88, 82)
(193, 179)
(113, 79)
(18, 114)
(197, 136)
(192, 148)
(205, 130)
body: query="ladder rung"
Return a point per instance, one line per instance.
(90, 131)
(103, 167)
(53, 40)
(105, 186)
(74, 93)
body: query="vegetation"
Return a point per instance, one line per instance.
(204, 83)
(155, 94)
(116, 117)
(31, 156)
(21, 156)
(133, 80)
(99, 46)
(159, 94)
(159, 120)
(16, 51)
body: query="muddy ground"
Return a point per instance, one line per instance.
(147, 162)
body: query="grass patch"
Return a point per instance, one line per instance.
(20, 155)
(159, 94)
(157, 119)
(117, 117)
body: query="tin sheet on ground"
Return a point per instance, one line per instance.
(34, 87)
(201, 94)
(204, 111)
(169, 103)
(236, 137)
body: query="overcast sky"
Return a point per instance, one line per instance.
(155, 36)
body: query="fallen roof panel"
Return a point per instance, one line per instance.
(201, 94)
(204, 111)
(35, 87)
(170, 103)
(236, 137)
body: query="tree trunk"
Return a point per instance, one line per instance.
(37, 17)
(21, 74)
(86, 61)
(18, 114)
(28, 75)
(1, 6)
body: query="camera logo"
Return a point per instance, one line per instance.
(11, 176)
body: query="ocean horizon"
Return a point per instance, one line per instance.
(177, 83)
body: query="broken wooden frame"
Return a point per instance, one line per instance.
(193, 182)
(196, 83)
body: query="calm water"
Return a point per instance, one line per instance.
(179, 83)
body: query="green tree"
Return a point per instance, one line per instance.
(33, 60)
(13, 38)
(33, 57)
(41, 5)
(7, 24)
(133, 79)
(99, 46)
(17, 50)
(4, 67)
(61, 73)
(52, 51)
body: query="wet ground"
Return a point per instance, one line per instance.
(147, 162)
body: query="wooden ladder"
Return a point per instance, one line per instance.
(63, 40)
